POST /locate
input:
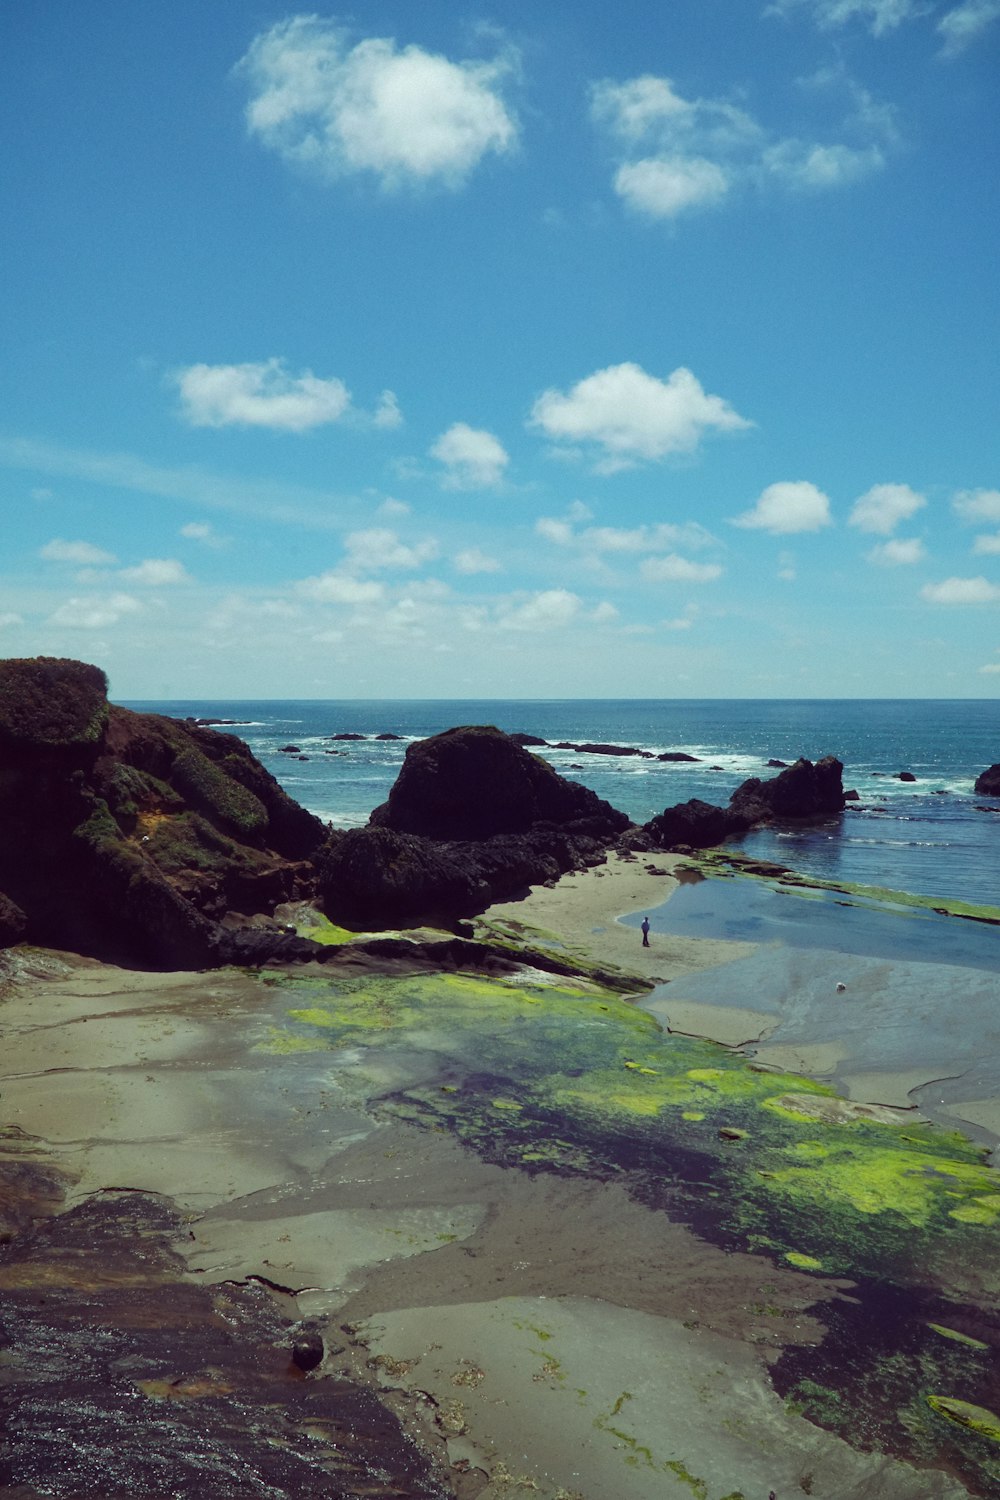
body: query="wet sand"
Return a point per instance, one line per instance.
(572, 1342)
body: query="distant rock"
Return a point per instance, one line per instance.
(347, 736)
(988, 782)
(803, 792)
(905, 776)
(388, 736)
(599, 749)
(289, 750)
(777, 765)
(208, 723)
(127, 836)
(852, 796)
(678, 755)
(520, 738)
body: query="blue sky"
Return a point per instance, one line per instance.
(555, 350)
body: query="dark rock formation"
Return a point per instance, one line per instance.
(475, 781)
(473, 818)
(678, 755)
(347, 736)
(777, 765)
(127, 836)
(988, 783)
(288, 749)
(388, 736)
(696, 824)
(802, 793)
(599, 749)
(520, 738)
(905, 776)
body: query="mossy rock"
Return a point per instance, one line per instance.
(221, 798)
(51, 702)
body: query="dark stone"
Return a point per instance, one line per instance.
(307, 1351)
(12, 921)
(475, 781)
(905, 776)
(207, 723)
(520, 738)
(288, 749)
(852, 796)
(388, 736)
(988, 782)
(778, 765)
(677, 755)
(695, 824)
(347, 736)
(303, 757)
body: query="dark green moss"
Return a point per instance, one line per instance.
(221, 798)
(52, 702)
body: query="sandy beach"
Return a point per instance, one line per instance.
(471, 1295)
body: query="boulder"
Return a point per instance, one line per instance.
(802, 792)
(988, 782)
(127, 836)
(696, 824)
(475, 781)
(520, 738)
(678, 755)
(905, 776)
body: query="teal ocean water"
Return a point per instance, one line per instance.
(933, 836)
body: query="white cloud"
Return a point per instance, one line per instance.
(603, 613)
(94, 613)
(675, 569)
(987, 543)
(881, 508)
(880, 16)
(381, 548)
(553, 530)
(665, 186)
(548, 610)
(991, 666)
(899, 552)
(962, 26)
(387, 413)
(682, 622)
(802, 164)
(630, 416)
(8, 617)
(260, 395)
(81, 554)
(961, 591)
(473, 561)
(661, 537)
(203, 532)
(473, 459)
(677, 155)
(977, 505)
(156, 572)
(391, 507)
(405, 115)
(788, 507)
(338, 588)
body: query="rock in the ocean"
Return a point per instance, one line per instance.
(803, 792)
(475, 781)
(988, 782)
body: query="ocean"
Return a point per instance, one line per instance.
(932, 836)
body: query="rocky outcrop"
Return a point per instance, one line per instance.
(803, 792)
(475, 782)
(988, 782)
(128, 836)
(472, 818)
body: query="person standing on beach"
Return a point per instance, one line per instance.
(645, 932)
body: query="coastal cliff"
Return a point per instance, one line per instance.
(130, 836)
